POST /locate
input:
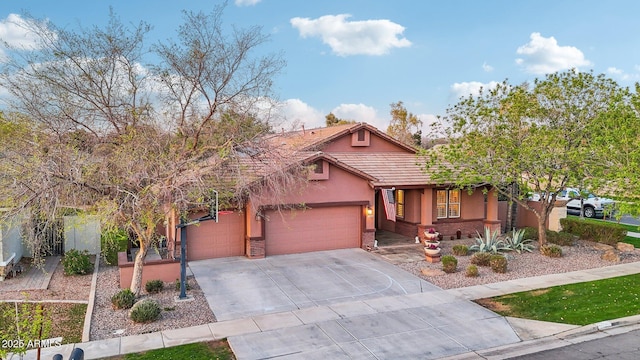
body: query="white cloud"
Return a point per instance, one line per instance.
(360, 113)
(246, 2)
(622, 75)
(543, 56)
(296, 112)
(15, 31)
(470, 88)
(486, 67)
(369, 37)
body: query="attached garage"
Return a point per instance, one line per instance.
(214, 240)
(322, 228)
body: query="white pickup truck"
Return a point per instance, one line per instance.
(594, 206)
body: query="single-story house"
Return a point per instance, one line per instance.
(363, 180)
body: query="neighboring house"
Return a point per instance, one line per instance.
(357, 169)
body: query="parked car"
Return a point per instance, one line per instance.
(594, 206)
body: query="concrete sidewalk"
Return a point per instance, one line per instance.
(533, 336)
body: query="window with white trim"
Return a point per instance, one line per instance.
(448, 204)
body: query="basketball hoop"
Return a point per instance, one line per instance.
(225, 212)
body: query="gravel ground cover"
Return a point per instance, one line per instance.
(581, 256)
(109, 323)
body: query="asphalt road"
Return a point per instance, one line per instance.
(627, 219)
(614, 347)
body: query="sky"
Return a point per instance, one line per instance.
(354, 58)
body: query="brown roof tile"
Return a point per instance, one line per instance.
(389, 169)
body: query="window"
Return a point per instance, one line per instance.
(400, 203)
(318, 169)
(361, 135)
(448, 203)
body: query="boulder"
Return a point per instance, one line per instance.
(600, 246)
(624, 247)
(611, 255)
(432, 272)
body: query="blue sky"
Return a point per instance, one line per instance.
(356, 57)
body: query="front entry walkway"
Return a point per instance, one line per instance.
(35, 278)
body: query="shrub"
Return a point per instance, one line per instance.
(600, 231)
(554, 251)
(530, 233)
(113, 242)
(498, 263)
(460, 250)
(491, 242)
(449, 264)
(77, 262)
(481, 259)
(123, 299)
(518, 242)
(145, 311)
(154, 286)
(472, 271)
(561, 238)
(178, 285)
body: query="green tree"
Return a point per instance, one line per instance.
(404, 125)
(332, 120)
(538, 137)
(618, 152)
(23, 327)
(98, 130)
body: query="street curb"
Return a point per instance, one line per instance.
(562, 339)
(86, 329)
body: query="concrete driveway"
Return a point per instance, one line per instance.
(238, 287)
(343, 304)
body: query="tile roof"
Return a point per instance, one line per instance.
(313, 139)
(389, 169)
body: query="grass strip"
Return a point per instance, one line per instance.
(579, 304)
(216, 350)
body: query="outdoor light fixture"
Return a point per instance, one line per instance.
(369, 210)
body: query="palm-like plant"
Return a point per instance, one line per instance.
(490, 243)
(518, 243)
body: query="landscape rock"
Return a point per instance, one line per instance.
(432, 272)
(603, 247)
(611, 255)
(624, 247)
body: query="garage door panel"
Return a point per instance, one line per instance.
(318, 229)
(214, 240)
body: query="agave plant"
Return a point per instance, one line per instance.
(491, 242)
(518, 243)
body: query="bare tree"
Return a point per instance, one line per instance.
(404, 125)
(132, 143)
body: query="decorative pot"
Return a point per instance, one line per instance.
(432, 243)
(432, 252)
(430, 236)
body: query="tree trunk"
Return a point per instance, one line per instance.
(136, 280)
(542, 223)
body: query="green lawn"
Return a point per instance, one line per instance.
(578, 304)
(67, 319)
(212, 350)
